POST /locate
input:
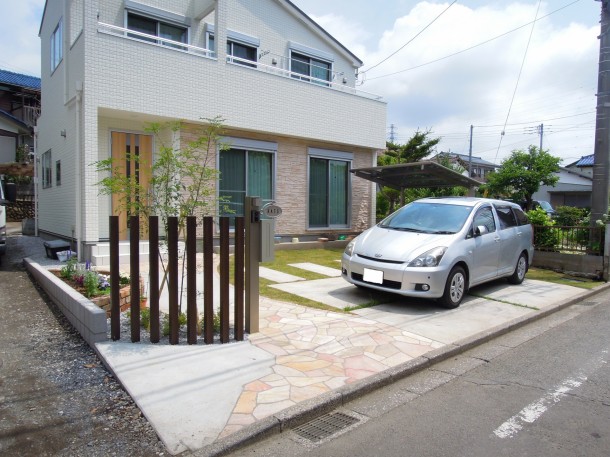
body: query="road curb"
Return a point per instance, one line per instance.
(322, 404)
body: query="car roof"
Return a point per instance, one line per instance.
(466, 201)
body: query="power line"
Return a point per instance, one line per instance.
(418, 34)
(518, 78)
(467, 49)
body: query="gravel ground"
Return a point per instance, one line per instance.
(56, 397)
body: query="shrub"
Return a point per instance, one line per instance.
(90, 282)
(545, 235)
(145, 318)
(215, 322)
(569, 215)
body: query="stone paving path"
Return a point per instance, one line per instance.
(317, 351)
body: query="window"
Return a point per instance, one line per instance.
(58, 173)
(57, 51)
(46, 169)
(244, 172)
(310, 66)
(157, 28)
(506, 217)
(242, 51)
(328, 192)
(485, 218)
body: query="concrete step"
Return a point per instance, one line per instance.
(104, 259)
(102, 249)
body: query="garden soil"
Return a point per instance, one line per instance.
(56, 397)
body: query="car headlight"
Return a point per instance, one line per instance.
(349, 249)
(430, 258)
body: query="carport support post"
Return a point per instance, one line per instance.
(253, 255)
(605, 273)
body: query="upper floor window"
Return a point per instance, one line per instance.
(310, 66)
(57, 50)
(157, 28)
(242, 51)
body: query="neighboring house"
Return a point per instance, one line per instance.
(479, 168)
(572, 189)
(19, 110)
(584, 165)
(285, 87)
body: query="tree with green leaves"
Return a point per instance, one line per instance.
(522, 174)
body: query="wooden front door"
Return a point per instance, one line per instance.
(132, 159)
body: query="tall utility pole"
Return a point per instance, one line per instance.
(601, 171)
(470, 153)
(541, 131)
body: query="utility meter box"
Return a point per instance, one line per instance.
(267, 240)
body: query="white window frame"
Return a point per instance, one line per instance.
(159, 16)
(57, 46)
(315, 54)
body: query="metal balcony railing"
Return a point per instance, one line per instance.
(257, 66)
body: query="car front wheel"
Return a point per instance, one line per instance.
(520, 269)
(455, 288)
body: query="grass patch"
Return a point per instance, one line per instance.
(561, 278)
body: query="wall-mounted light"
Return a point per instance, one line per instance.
(274, 61)
(63, 133)
(344, 80)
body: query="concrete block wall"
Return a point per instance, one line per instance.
(86, 317)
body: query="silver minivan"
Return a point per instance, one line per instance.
(440, 247)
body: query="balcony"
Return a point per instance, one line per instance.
(273, 69)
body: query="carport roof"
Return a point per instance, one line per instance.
(416, 174)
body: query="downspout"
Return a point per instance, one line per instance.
(36, 180)
(78, 187)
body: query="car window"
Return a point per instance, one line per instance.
(485, 217)
(506, 217)
(428, 217)
(521, 217)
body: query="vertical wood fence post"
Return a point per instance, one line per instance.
(172, 267)
(134, 274)
(191, 279)
(208, 280)
(115, 293)
(153, 292)
(239, 279)
(224, 279)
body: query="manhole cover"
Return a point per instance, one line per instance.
(325, 426)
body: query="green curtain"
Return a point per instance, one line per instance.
(232, 187)
(338, 192)
(260, 172)
(318, 192)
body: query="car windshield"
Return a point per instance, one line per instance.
(428, 217)
(545, 206)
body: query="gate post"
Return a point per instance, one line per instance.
(252, 216)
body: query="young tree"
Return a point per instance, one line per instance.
(418, 147)
(522, 174)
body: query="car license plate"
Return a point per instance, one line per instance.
(374, 276)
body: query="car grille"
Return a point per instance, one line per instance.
(374, 259)
(386, 283)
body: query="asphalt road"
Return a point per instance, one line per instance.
(543, 390)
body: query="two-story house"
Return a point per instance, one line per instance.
(294, 119)
(479, 167)
(19, 110)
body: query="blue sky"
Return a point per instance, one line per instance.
(434, 82)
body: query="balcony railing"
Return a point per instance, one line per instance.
(203, 52)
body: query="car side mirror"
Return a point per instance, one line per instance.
(480, 230)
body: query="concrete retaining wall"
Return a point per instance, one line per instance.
(85, 316)
(587, 264)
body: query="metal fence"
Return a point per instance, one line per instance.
(570, 239)
(173, 280)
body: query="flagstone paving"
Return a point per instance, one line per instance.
(320, 269)
(317, 351)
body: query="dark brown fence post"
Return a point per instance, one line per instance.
(115, 293)
(239, 278)
(224, 279)
(153, 291)
(208, 280)
(191, 279)
(172, 267)
(134, 275)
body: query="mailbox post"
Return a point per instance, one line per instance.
(259, 248)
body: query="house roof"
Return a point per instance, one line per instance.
(415, 175)
(18, 79)
(13, 120)
(584, 161)
(465, 158)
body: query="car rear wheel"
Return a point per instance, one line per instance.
(520, 269)
(455, 288)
